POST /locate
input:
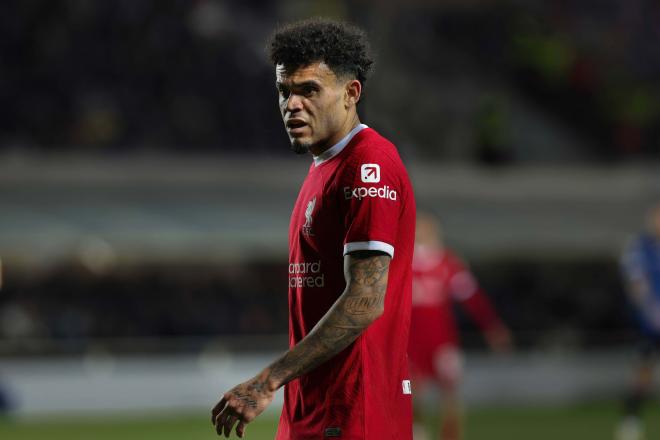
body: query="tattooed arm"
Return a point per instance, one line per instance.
(361, 303)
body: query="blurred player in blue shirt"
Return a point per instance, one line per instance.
(641, 271)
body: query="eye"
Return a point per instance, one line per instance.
(284, 92)
(308, 90)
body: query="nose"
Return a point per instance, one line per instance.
(293, 103)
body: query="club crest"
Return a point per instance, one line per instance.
(307, 227)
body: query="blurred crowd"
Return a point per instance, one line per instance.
(597, 66)
(112, 76)
(547, 303)
(70, 303)
(592, 67)
(193, 75)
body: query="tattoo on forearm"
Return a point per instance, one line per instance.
(363, 305)
(362, 302)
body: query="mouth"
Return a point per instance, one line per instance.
(295, 126)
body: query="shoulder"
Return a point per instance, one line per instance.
(372, 153)
(371, 144)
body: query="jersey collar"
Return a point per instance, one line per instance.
(336, 148)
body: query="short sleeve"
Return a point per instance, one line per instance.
(371, 200)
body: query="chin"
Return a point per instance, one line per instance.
(299, 146)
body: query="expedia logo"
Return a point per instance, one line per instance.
(384, 192)
(370, 173)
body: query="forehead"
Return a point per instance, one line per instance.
(318, 71)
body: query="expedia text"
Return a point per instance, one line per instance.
(384, 192)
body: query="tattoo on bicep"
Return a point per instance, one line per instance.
(367, 279)
(370, 271)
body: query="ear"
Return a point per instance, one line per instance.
(353, 93)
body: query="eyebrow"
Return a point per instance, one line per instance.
(300, 84)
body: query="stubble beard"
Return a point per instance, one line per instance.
(300, 147)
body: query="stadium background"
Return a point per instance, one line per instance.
(146, 185)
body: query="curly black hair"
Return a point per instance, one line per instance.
(343, 47)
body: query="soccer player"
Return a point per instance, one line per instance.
(439, 280)
(641, 271)
(351, 241)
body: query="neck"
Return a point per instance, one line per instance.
(350, 124)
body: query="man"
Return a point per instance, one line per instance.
(439, 280)
(350, 251)
(641, 271)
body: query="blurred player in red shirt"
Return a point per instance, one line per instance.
(351, 240)
(440, 279)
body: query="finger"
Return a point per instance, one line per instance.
(217, 408)
(216, 424)
(219, 422)
(226, 424)
(240, 429)
(229, 424)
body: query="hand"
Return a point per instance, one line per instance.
(499, 339)
(242, 404)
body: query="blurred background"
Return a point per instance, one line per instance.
(146, 185)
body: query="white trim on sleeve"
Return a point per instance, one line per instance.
(369, 246)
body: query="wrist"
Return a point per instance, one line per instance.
(271, 384)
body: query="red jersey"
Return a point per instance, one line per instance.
(357, 196)
(439, 279)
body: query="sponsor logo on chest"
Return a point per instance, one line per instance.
(307, 274)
